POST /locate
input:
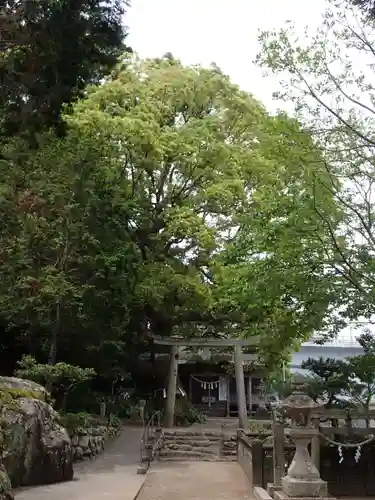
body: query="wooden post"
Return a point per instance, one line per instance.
(190, 388)
(240, 386)
(349, 424)
(315, 445)
(228, 396)
(257, 462)
(250, 396)
(278, 453)
(103, 409)
(172, 387)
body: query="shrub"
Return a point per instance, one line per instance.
(114, 421)
(73, 421)
(196, 416)
(59, 376)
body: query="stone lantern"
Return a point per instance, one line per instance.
(303, 478)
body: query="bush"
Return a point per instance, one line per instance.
(73, 421)
(61, 376)
(114, 421)
(260, 428)
(196, 416)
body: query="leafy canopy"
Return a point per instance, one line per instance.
(334, 98)
(50, 51)
(174, 202)
(216, 185)
(41, 373)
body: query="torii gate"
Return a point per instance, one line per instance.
(176, 343)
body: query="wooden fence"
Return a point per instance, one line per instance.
(265, 458)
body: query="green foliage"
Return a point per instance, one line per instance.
(65, 265)
(175, 202)
(330, 379)
(279, 382)
(50, 51)
(54, 374)
(83, 420)
(361, 372)
(272, 276)
(73, 421)
(343, 382)
(334, 97)
(196, 416)
(114, 421)
(262, 429)
(60, 375)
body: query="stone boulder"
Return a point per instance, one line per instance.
(5, 485)
(24, 385)
(36, 448)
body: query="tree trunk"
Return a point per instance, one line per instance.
(64, 401)
(52, 354)
(55, 332)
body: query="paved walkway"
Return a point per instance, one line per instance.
(112, 475)
(196, 481)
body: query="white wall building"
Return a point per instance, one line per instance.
(344, 346)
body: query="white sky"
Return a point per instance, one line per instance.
(220, 31)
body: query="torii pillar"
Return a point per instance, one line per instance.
(240, 386)
(172, 387)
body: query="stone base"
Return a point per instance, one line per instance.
(260, 493)
(316, 488)
(142, 469)
(271, 488)
(280, 495)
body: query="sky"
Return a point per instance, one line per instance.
(220, 31)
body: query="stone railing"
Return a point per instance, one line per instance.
(250, 457)
(89, 442)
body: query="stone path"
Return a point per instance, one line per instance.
(112, 475)
(196, 481)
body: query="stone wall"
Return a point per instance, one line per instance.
(87, 443)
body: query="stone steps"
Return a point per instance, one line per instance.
(188, 448)
(192, 442)
(188, 433)
(203, 458)
(186, 454)
(189, 444)
(228, 454)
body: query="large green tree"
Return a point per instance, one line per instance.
(328, 76)
(345, 381)
(217, 183)
(174, 200)
(67, 262)
(273, 274)
(361, 372)
(49, 51)
(329, 381)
